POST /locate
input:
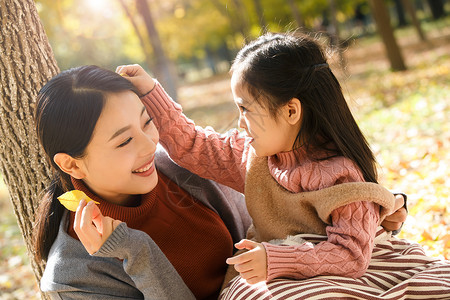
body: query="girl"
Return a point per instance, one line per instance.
(299, 136)
(99, 139)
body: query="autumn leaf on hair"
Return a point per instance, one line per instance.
(71, 199)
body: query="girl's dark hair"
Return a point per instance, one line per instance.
(67, 109)
(278, 67)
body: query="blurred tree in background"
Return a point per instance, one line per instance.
(191, 39)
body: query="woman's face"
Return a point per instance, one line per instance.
(119, 160)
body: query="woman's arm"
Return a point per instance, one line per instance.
(143, 261)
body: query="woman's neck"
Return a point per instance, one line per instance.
(117, 199)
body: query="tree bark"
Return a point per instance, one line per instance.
(26, 63)
(382, 20)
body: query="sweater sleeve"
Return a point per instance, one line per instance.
(346, 252)
(203, 151)
(145, 263)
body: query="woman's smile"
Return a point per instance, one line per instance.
(146, 169)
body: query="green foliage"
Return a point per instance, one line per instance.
(83, 34)
(99, 32)
(189, 29)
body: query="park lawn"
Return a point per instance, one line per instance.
(405, 116)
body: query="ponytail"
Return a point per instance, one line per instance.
(49, 215)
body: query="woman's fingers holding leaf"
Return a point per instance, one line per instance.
(92, 228)
(78, 212)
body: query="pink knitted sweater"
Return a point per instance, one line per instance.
(224, 158)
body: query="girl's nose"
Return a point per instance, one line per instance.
(241, 122)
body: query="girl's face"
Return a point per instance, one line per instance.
(119, 160)
(268, 136)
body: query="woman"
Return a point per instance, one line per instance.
(177, 229)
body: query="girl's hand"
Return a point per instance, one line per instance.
(137, 75)
(92, 228)
(398, 217)
(251, 265)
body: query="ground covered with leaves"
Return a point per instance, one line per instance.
(405, 116)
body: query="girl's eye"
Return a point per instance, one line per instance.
(243, 109)
(125, 143)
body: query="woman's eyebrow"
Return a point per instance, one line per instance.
(119, 132)
(123, 129)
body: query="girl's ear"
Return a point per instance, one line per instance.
(293, 111)
(69, 165)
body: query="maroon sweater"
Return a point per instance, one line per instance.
(194, 238)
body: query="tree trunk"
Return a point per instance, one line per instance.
(163, 72)
(297, 15)
(382, 20)
(26, 63)
(260, 14)
(334, 35)
(409, 6)
(144, 46)
(437, 8)
(400, 13)
(242, 19)
(237, 20)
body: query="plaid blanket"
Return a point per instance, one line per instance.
(399, 269)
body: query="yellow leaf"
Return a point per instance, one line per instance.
(71, 199)
(426, 236)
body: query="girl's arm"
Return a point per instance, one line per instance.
(346, 252)
(220, 157)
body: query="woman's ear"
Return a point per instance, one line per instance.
(69, 165)
(293, 111)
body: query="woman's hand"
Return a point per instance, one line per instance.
(92, 228)
(138, 77)
(398, 217)
(251, 265)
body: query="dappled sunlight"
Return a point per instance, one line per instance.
(102, 7)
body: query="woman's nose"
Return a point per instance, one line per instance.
(148, 144)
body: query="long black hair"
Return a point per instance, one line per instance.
(67, 110)
(278, 67)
